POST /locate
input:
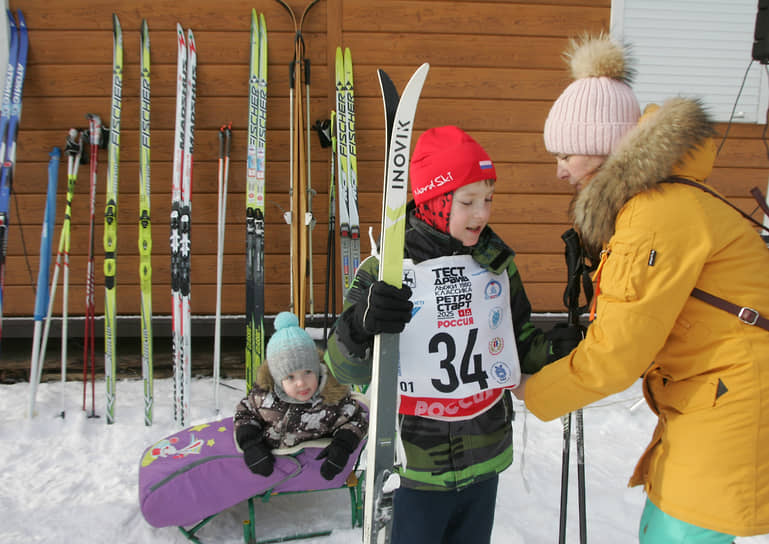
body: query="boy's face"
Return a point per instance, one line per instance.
(300, 385)
(470, 211)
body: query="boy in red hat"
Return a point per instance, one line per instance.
(465, 336)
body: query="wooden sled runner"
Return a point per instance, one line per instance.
(189, 477)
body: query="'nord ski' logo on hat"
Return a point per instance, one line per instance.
(435, 183)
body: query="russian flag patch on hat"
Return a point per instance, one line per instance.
(485, 165)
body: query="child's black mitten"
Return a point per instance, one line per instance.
(384, 308)
(337, 453)
(256, 453)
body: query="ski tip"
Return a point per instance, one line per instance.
(191, 40)
(384, 77)
(22, 21)
(145, 27)
(419, 76)
(115, 23)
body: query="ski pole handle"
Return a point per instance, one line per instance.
(573, 254)
(227, 140)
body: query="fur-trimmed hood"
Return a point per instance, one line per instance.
(329, 388)
(675, 139)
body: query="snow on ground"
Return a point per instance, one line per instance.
(76, 479)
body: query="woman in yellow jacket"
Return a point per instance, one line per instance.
(705, 371)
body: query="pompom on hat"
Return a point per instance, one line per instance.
(444, 159)
(596, 110)
(290, 349)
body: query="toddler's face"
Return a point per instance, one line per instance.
(470, 211)
(300, 385)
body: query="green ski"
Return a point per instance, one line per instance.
(255, 186)
(145, 230)
(110, 218)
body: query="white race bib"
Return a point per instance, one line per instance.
(458, 352)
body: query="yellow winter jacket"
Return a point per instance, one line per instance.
(705, 373)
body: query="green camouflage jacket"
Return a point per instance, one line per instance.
(445, 455)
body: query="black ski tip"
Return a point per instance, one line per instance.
(389, 92)
(383, 77)
(390, 99)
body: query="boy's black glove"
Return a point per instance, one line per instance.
(564, 337)
(383, 308)
(256, 453)
(337, 453)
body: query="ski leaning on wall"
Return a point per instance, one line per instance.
(255, 189)
(5, 43)
(300, 217)
(10, 117)
(42, 293)
(399, 120)
(352, 163)
(186, 84)
(145, 224)
(110, 219)
(347, 169)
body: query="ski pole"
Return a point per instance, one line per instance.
(576, 272)
(225, 133)
(96, 141)
(74, 150)
(327, 135)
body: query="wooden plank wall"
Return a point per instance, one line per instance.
(495, 69)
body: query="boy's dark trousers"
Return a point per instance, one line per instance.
(445, 517)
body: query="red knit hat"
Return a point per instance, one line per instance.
(446, 158)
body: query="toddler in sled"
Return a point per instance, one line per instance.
(297, 430)
(296, 399)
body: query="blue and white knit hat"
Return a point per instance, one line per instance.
(290, 349)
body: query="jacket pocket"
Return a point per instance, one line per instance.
(686, 396)
(624, 273)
